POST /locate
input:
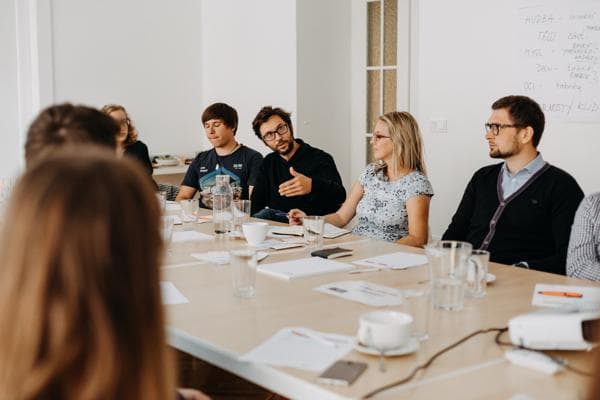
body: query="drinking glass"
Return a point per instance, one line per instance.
(240, 210)
(314, 225)
(161, 196)
(243, 271)
(447, 262)
(188, 210)
(477, 267)
(417, 304)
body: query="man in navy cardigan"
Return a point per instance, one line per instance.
(520, 210)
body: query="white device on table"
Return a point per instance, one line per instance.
(556, 329)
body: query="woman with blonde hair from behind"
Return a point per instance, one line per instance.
(80, 305)
(391, 197)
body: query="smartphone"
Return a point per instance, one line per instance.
(342, 373)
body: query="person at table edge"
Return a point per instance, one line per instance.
(295, 174)
(521, 210)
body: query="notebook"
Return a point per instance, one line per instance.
(330, 232)
(302, 268)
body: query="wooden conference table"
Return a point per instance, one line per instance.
(218, 327)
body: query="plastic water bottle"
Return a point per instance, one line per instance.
(222, 199)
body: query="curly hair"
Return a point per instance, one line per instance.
(132, 133)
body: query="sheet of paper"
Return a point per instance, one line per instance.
(329, 232)
(203, 219)
(291, 230)
(170, 294)
(222, 257)
(399, 260)
(301, 348)
(302, 268)
(172, 206)
(364, 292)
(332, 231)
(284, 243)
(545, 295)
(189, 236)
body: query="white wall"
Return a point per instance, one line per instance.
(143, 54)
(10, 138)
(324, 36)
(249, 58)
(463, 61)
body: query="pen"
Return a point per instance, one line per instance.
(562, 294)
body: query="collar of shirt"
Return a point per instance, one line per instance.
(512, 183)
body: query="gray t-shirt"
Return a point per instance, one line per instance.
(381, 213)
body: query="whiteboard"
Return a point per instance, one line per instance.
(558, 56)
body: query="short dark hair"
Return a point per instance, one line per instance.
(223, 112)
(66, 123)
(267, 112)
(524, 111)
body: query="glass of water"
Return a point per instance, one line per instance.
(447, 263)
(314, 225)
(240, 214)
(243, 271)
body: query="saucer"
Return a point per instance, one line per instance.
(489, 278)
(410, 347)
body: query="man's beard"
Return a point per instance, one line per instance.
(287, 150)
(497, 153)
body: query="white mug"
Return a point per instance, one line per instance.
(255, 232)
(384, 330)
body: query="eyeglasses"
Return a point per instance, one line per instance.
(495, 128)
(377, 137)
(123, 122)
(280, 130)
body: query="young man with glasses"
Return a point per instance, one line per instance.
(522, 209)
(227, 157)
(295, 175)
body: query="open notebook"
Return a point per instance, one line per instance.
(302, 268)
(330, 232)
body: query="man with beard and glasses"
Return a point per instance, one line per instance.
(295, 174)
(522, 209)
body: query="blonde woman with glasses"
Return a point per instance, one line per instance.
(80, 304)
(391, 198)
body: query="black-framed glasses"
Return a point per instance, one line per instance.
(280, 130)
(496, 128)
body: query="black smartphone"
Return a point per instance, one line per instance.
(342, 373)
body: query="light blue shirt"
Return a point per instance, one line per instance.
(512, 183)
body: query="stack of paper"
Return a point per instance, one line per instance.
(364, 292)
(399, 260)
(301, 348)
(303, 267)
(332, 231)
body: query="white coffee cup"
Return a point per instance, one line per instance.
(384, 330)
(255, 232)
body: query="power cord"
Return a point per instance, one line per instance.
(426, 364)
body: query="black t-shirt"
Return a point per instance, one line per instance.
(242, 166)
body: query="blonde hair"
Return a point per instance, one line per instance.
(406, 137)
(132, 133)
(80, 305)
